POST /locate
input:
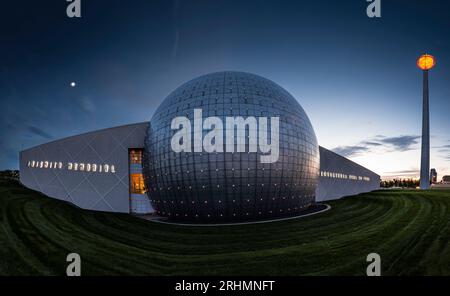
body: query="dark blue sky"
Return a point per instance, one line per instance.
(355, 76)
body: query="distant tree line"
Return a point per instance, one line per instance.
(10, 174)
(404, 183)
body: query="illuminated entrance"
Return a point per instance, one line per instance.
(138, 197)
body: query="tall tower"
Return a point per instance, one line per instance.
(425, 63)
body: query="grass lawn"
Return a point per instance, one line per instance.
(409, 229)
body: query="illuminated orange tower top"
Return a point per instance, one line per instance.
(426, 62)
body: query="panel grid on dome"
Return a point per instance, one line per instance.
(208, 187)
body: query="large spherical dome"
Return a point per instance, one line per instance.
(204, 186)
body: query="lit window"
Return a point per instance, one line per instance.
(136, 156)
(137, 185)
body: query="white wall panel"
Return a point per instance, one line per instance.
(88, 190)
(337, 187)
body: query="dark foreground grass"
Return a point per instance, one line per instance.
(409, 229)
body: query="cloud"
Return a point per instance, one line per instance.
(370, 143)
(446, 155)
(86, 104)
(444, 150)
(379, 143)
(39, 132)
(348, 151)
(401, 143)
(404, 172)
(443, 147)
(411, 173)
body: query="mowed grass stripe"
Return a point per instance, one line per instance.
(86, 238)
(409, 229)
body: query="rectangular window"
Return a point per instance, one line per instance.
(137, 184)
(136, 156)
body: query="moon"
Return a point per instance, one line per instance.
(73, 84)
